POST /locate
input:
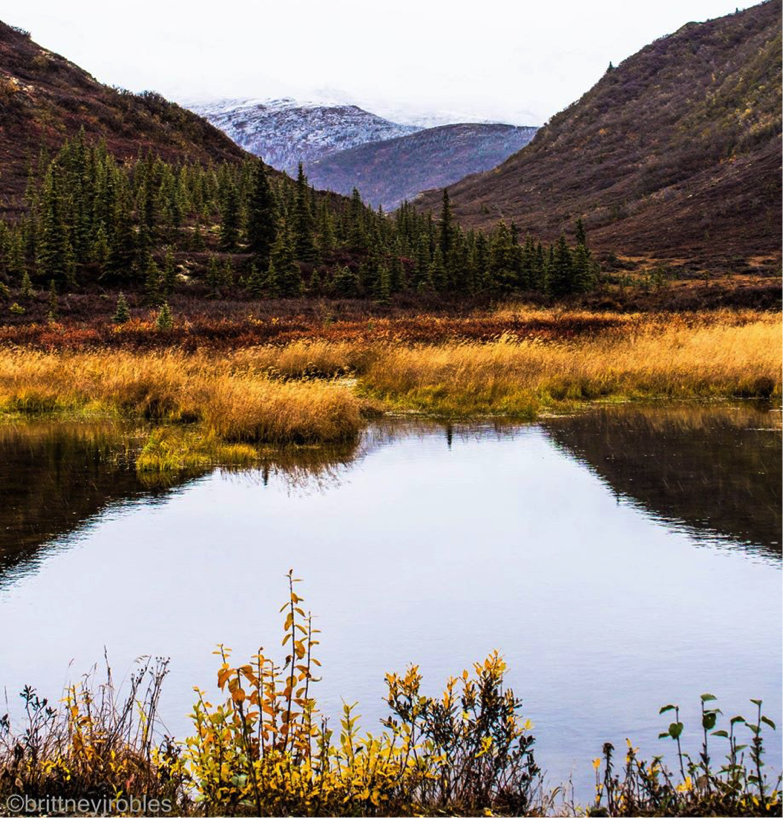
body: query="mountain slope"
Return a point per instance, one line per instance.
(285, 132)
(675, 153)
(388, 172)
(44, 98)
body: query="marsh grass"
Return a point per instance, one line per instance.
(319, 391)
(176, 449)
(522, 378)
(233, 400)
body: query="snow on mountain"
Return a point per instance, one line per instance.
(286, 131)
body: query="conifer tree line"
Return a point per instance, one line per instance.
(147, 225)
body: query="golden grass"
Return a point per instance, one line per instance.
(289, 394)
(231, 400)
(666, 360)
(174, 449)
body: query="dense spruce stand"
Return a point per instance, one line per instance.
(91, 221)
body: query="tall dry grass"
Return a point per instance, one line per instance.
(673, 360)
(282, 394)
(233, 400)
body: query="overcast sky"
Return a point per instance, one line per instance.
(517, 61)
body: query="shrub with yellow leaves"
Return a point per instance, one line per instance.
(265, 751)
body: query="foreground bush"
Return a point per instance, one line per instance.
(265, 750)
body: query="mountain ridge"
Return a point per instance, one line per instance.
(45, 98)
(286, 131)
(675, 152)
(391, 171)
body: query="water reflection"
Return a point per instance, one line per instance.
(422, 543)
(716, 472)
(55, 477)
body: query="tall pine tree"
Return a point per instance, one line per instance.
(262, 226)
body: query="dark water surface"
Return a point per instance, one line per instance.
(621, 560)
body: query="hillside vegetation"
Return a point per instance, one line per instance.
(44, 98)
(674, 154)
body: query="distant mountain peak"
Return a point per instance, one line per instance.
(393, 170)
(285, 131)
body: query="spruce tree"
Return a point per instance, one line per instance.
(169, 273)
(581, 236)
(326, 236)
(302, 221)
(445, 239)
(397, 269)
(164, 319)
(229, 219)
(540, 270)
(345, 283)
(271, 284)
(583, 279)
(504, 259)
(55, 254)
(255, 281)
(152, 283)
(213, 276)
(528, 265)
(197, 242)
(437, 271)
(261, 216)
(53, 302)
(26, 289)
(5, 239)
(382, 291)
(288, 274)
(357, 233)
(561, 272)
(15, 263)
(423, 260)
(122, 313)
(227, 273)
(481, 261)
(100, 250)
(583, 265)
(122, 240)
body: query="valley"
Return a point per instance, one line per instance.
(507, 398)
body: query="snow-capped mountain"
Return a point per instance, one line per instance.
(285, 131)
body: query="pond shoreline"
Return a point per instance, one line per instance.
(324, 392)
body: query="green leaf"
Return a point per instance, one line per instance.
(757, 702)
(665, 709)
(740, 747)
(663, 735)
(708, 722)
(675, 729)
(721, 733)
(769, 722)
(754, 728)
(707, 697)
(737, 719)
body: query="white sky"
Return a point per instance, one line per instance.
(503, 60)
